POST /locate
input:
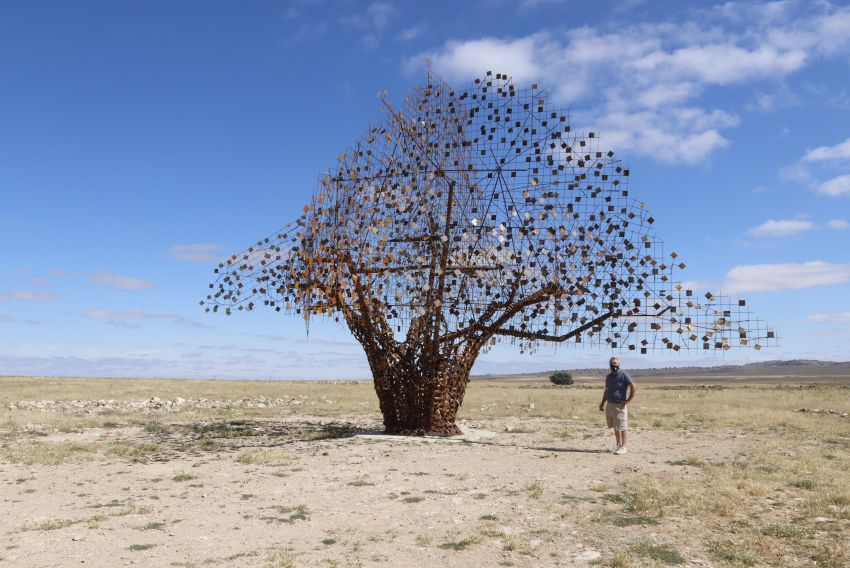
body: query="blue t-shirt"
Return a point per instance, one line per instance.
(616, 385)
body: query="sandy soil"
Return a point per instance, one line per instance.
(492, 497)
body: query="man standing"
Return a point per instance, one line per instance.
(617, 383)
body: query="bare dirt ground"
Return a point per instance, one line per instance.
(97, 473)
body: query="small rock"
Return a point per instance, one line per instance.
(588, 555)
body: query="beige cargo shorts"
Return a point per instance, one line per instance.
(617, 416)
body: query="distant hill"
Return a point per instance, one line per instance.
(791, 366)
(806, 370)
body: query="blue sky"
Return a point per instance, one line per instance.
(142, 142)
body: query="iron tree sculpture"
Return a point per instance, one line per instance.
(466, 218)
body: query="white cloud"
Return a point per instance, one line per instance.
(82, 367)
(825, 34)
(724, 63)
(307, 31)
(764, 103)
(128, 319)
(771, 228)
(270, 336)
(327, 342)
(369, 41)
(468, 58)
(534, 4)
(662, 95)
(833, 98)
(830, 331)
(204, 252)
(24, 296)
(56, 273)
(831, 33)
(743, 11)
(688, 136)
(838, 224)
(297, 8)
(641, 85)
(300, 365)
(782, 97)
(839, 317)
(840, 151)
(380, 13)
(376, 17)
(836, 186)
(411, 33)
(9, 319)
(796, 173)
(696, 285)
(790, 276)
(122, 282)
(372, 22)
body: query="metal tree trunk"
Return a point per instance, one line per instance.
(420, 391)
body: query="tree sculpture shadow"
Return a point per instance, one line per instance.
(567, 450)
(196, 438)
(471, 217)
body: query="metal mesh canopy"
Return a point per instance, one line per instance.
(480, 214)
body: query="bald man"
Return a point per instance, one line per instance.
(619, 391)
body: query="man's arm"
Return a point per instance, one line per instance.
(604, 398)
(632, 390)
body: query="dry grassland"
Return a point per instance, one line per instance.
(290, 474)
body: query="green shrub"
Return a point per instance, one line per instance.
(561, 378)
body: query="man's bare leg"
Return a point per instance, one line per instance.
(621, 439)
(617, 435)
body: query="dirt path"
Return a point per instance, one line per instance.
(497, 498)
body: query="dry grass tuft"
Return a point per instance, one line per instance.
(131, 451)
(281, 559)
(535, 489)
(288, 515)
(459, 543)
(732, 554)
(49, 453)
(660, 553)
(263, 456)
(180, 477)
